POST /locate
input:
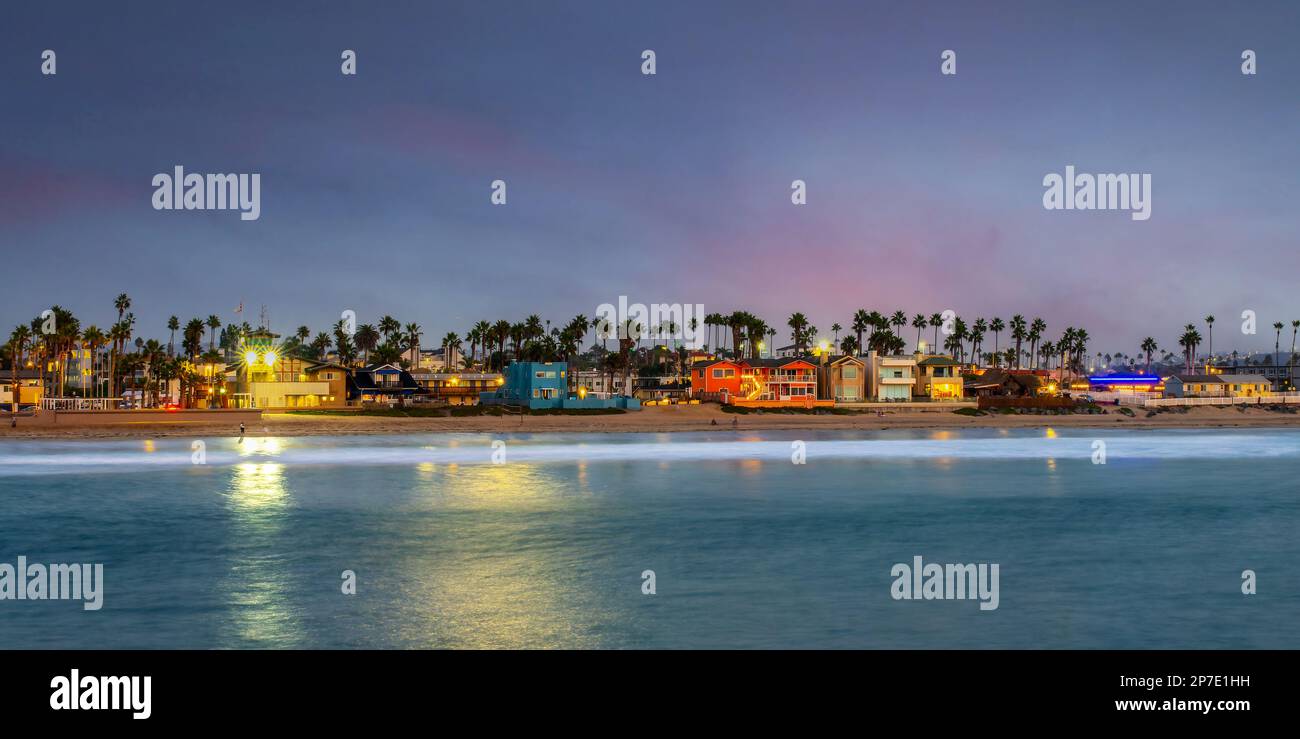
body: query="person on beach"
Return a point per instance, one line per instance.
(241, 430)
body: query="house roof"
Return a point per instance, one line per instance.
(703, 363)
(1199, 379)
(313, 365)
(837, 358)
(778, 361)
(1246, 379)
(939, 361)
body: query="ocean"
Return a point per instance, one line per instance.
(1123, 539)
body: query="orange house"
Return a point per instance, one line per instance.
(785, 381)
(716, 376)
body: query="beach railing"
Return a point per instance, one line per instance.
(79, 404)
(1271, 399)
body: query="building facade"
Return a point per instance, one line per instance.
(545, 385)
(938, 377)
(843, 379)
(457, 388)
(891, 377)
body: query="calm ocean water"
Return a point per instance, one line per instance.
(748, 549)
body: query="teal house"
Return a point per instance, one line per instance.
(540, 385)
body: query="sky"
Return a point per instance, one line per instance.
(924, 191)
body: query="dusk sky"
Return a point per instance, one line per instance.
(924, 191)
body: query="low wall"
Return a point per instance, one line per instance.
(911, 405)
(231, 416)
(1047, 403)
(810, 403)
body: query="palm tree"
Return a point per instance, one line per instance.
(123, 303)
(1189, 341)
(861, 322)
(1149, 346)
(1018, 333)
(152, 353)
(321, 345)
(389, 326)
(835, 329)
(877, 322)
(798, 324)
(18, 340)
(919, 323)
(501, 329)
(413, 331)
(996, 326)
(1277, 341)
(94, 338)
(936, 320)
(1290, 373)
(977, 337)
(366, 339)
(898, 321)
(482, 330)
(578, 328)
(1209, 329)
(737, 322)
(173, 324)
(450, 346)
(1036, 329)
(214, 323)
(192, 337)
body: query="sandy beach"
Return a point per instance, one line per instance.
(665, 419)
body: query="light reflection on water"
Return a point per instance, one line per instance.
(260, 594)
(748, 552)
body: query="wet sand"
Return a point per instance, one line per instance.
(665, 419)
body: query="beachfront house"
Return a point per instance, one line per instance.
(1193, 386)
(29, 388)
(787, 380)
(545, 385)
(603, 381)
(457, 388)
(1246, 386)
(386, 384)
(843, 379)
(891, 377)
(997, 382)
(1217, 386)
(938, 378)
(715, 379)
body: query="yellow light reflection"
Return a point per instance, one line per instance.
(491, 581)
(258, 585)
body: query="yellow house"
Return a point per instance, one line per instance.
(1217, 386)
(1246, 386)
(29, 384)
(290, 382)
(938, 378)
